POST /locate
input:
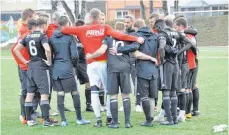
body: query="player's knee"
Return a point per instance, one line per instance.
(94, 89)
(60, 93)
(29, 97)
(143, 99)
(75, 93)
(195, 86)
(125, 96)
(173, 93)
(87, 85)
(165, 93)
(44, 96)
(114, 96)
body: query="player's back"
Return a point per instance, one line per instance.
(65, 51)
(119, 62)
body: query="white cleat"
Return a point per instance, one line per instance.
(103, 108)
(138, 108)
(159, 119)
(21, 118)
(181, 119)
(121, 109)
(31, 123)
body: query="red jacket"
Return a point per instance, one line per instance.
(23, 31)
(23, 51)
(190, 55)
(92, 36)
(51, 28)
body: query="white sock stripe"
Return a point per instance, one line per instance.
(114, 100)
(125, 99)
(49, 81)
(28, 104)
(43, 102)
(94, 92)
(165, 98)
(173, 98)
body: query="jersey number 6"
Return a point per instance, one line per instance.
(32, 48)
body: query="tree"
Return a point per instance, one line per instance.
(69, 12)
(176, 5)
(143, 14)
(76, 6)
(54, 5)
(150, 6)
(83, 9)
(165, 7)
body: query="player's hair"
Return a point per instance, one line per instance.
(41, 21)
(154, 15)
(27, 13)
(43, 15)
(169, 20)
(131, 17)
(63, 20)
(79, 22)
(139, 23)
(120, 26)
(95, 13)
(181, 21)
(178, 16)
(31, 23)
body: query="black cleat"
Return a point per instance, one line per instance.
(109, 121)
(195, 113)
(175, 122)
(128, 125)
(167, 123)
(147, 124)
(113, 125)
(66, 109)
(98, 124)
(89, 108)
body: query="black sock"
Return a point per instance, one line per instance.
(182, 101)
(77, 105)
(127, 109)
(22, 103)
(44, 105)
(60, 103)
(114, 110)
(138, 99)
(162, 105)
(156, 100)
(174, 102)
(195, 94)
(88, 96)
(146, 108)
(101, 98)
(189, 103)
(28, 110)
(167, 104)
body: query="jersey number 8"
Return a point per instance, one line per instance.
(32, 48)
(116, 44)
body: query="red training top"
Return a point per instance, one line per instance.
(51, 28)
(190, 55)
(91, 37)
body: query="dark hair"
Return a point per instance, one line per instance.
(27, 13)
(154, 15)
(95, 13)
(139, 23)
(181, 21)
(178, 16)
(120, 26)
(63, 20)
(79, 22)
(43, 15)
(41, 21)
(31, 23)
(131, 17)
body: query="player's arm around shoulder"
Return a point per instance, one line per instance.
(73, 30)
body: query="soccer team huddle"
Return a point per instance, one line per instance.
(159, 57)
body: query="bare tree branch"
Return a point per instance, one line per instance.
(68, 10)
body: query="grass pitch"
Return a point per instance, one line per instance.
(212, 82)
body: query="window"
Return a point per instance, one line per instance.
(120, 14)
(214, 8)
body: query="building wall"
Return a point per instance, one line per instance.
(112, 6)
(15, 5)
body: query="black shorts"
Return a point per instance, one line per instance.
(116, 80)
(38, 80)
(170, 76)
(66, 85)
(23, 79)
(192, 76)
(147, 88)
(81, 72)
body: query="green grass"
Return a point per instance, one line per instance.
(212, 82)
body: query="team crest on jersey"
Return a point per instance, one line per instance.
(95, 33)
